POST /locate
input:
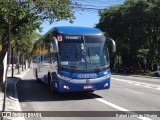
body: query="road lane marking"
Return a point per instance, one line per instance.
(133, 91)
(119, 108)
(158, 88)
(141, 84)
(111, 104)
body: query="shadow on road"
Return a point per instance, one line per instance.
(30, 90)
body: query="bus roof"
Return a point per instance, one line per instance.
(78, 30)
(72, 30)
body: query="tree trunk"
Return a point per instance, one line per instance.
(1, 69)
(22, 61)
(29, 58)
(12, 61)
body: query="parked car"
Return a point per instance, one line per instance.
(157, 73)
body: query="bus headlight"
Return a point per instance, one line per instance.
(65, 87)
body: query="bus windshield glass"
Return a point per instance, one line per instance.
(83, 55)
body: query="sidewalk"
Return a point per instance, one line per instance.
(12, 102)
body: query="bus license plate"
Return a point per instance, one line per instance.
(87, 86)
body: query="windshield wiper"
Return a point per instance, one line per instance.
(77, 55)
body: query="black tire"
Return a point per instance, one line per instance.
(38, 81)
(49, 82)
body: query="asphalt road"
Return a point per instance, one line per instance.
(126, 94)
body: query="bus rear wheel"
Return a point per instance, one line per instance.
(50, 82)
(36, 72)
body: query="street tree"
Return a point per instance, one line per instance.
(135, 26)
(15, 14)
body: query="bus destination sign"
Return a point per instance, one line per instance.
(73, 37)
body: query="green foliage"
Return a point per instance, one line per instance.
(22, 17)
(143, 52)
(135, 26)
(19, 19)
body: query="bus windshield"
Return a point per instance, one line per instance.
(83, 56)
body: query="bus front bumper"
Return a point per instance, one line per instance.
(81, 86)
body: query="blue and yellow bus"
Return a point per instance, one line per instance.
(71, 59)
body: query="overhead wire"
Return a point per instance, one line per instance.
(95, 5)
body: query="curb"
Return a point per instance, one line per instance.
(152, 77)
(16, 95)
(141, 76)
(12, 102)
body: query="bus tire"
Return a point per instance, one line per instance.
(37, 79)
(49, 82)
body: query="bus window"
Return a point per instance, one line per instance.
(93, 56)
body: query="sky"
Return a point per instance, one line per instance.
(86, 16)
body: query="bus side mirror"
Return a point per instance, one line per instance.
(113, 44)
